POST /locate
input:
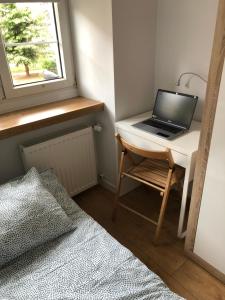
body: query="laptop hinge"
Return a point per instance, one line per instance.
(170, 124)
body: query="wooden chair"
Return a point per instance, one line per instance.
(157, 170)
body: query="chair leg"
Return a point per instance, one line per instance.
(116, 200)
(163, 206)
(161, 215)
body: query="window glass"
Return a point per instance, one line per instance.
(29, 33)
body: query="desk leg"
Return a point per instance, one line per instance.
(183, 203)
(189, 174)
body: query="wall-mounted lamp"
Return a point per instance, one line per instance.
(189, 80)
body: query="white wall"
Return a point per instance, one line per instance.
(91, 22)
(114, 40)
(184, 42)
(134, 28)
(210, 237)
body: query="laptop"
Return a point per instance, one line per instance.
(172, 114)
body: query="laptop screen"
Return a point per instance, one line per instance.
(174, 108)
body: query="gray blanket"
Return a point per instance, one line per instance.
(84, 264)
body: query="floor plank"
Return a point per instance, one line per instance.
(167, 260)
(200, 282)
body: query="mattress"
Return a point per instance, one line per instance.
(85, 264)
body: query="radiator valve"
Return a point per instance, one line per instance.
(97, 127)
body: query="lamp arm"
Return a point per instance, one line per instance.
(190, 73)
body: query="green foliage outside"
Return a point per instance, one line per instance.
(18, 25)
(49, 64)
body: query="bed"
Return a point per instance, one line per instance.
(84, 263)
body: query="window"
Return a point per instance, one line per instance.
(34, 47)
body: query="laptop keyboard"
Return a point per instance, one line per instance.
(162, 126)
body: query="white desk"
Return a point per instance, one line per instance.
(184, 149)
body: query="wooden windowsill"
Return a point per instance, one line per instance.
(47, 114)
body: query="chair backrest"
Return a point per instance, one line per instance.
(160, 155)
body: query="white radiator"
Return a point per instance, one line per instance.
(71, 156)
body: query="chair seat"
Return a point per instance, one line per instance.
(156, 172)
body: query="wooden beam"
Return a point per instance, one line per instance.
(45, 115)
(215, 74)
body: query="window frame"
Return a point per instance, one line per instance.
(68, 80)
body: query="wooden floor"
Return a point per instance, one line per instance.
(167, 260)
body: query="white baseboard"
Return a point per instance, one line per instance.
(108, 185)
